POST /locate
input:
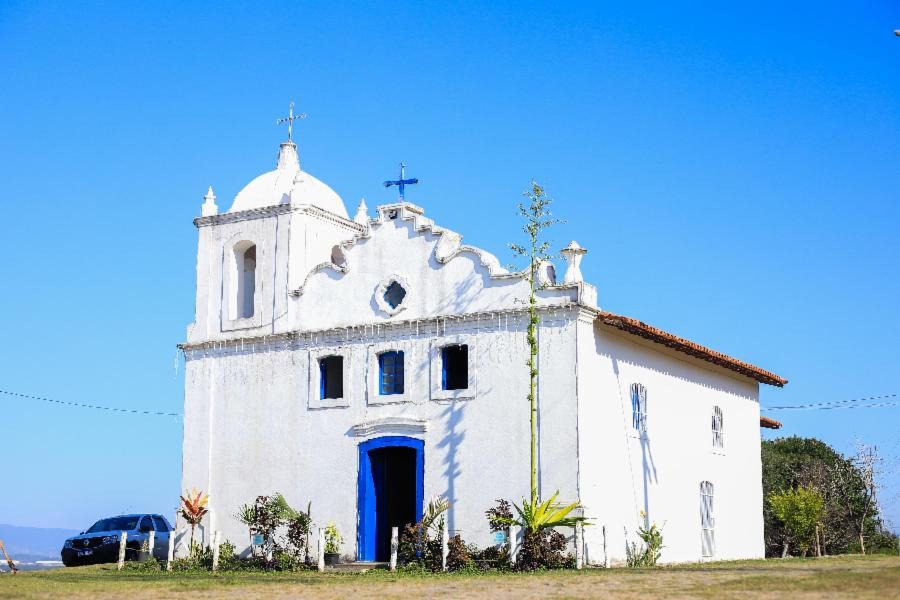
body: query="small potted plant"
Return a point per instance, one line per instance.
(333, 541)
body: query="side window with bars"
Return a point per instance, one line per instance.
(639, 407)
(718, 428)
(390, 366)
(707, 520)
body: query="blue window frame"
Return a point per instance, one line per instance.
(331, 377)
(455, 367)
(390, 377)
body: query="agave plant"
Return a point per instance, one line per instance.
(535, 515)
(193, 509)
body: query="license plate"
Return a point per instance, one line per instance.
(85, 552)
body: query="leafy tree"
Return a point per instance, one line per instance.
(855, 486)
(800, 509)
(850, 513)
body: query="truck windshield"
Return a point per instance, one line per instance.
(114, 524)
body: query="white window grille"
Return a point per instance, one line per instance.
(639, 407)
(718, 428)
(707, 520)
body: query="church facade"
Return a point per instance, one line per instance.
(366, 364)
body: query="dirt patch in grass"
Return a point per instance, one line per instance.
(849, 576)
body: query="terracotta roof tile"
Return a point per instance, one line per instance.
(635, 327)
(769, 423)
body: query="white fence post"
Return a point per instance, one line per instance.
(579, 546)
(605, 553)
(321, 549)
(513, 545)
(394, 547)
(215, 551)
(123, 538)
(445, 544)
(171, 555)
(151, 543)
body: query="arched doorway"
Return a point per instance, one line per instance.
(390, 491)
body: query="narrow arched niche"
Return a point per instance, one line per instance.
(243, 293)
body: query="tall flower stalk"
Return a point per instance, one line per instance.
(538, 219)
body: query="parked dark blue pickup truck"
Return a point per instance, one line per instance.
(100, 543)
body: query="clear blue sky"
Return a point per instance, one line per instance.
(732, 170)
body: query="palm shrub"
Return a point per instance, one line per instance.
(542, 546)
(246, 514)
(270, 514)
(434, 514)
(420, 545)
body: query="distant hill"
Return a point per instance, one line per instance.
(33, 542)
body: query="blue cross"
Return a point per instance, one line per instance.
(402, 182)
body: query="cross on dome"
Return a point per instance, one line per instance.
(290, 121)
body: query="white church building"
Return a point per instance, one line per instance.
(366, 364)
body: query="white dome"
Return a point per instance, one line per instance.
(288, 184)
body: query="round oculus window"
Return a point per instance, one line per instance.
(392, 294)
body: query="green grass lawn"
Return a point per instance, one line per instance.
(847, 576)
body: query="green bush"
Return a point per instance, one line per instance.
(199, 558)
(492, 557)
(228, 558)
(148, 566)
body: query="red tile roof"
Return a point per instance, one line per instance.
(769, 423)
(638, 328)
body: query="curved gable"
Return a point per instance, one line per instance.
(439, 274)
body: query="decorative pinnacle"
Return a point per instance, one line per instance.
(573, 248)
(362, 213)
(209, 207)
(573, 254)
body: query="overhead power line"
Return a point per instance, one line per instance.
(854, 403)
(133, 411)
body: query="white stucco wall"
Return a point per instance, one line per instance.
(252, 429)
(624, 473)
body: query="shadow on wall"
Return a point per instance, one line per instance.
(453, 416)
(648, 466)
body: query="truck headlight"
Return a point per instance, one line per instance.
(68, 544)
(110, 539)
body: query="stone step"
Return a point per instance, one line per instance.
(356, 566)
